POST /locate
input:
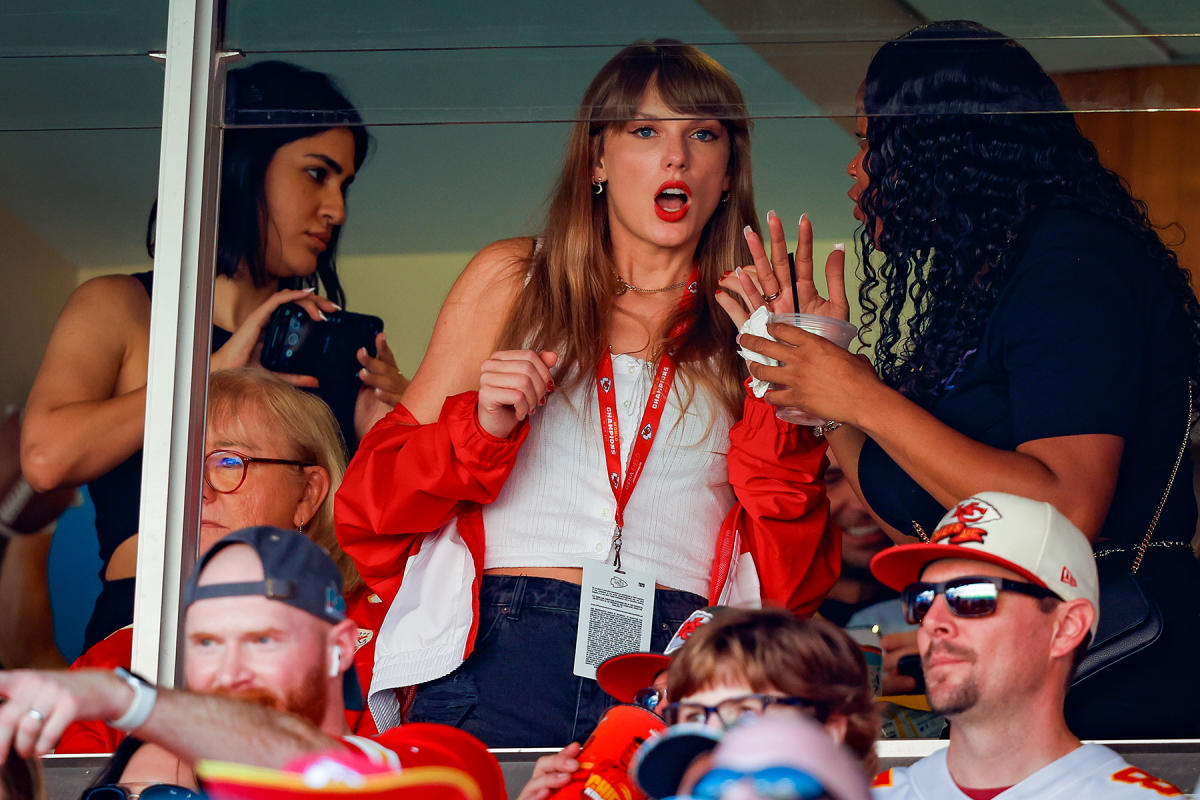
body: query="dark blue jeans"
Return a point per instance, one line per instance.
(518, 688)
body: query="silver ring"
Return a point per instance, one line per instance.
(37, 715)
(771, 298)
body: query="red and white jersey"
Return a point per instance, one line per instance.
(1091, 771)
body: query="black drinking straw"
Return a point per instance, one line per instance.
(792, 270)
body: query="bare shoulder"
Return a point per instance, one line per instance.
(468, 326)
(119, 298)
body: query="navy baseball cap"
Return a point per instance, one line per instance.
(296, 571)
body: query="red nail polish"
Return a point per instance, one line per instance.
(542, 402)
(550, 386)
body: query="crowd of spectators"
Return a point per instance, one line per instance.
(393, 576)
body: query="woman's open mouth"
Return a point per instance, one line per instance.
(673, 200)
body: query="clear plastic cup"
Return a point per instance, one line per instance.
(835, 330)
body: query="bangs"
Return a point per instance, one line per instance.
(690, 83)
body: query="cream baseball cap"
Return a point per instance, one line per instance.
(1029, 537)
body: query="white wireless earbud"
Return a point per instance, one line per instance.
(335, 661)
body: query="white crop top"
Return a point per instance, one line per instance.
(557, 508)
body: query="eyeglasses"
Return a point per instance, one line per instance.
(154, 791)
(225, 470)
(733, 709)
(650, 698)
(969, 596)
(769, 783)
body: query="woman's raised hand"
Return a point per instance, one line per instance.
(245, 345)
(512, 384)
(770, 277)
(383, 384)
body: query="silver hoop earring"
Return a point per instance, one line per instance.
(300, 528)
(598, 186)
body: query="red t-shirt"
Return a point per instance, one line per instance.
(116, 650)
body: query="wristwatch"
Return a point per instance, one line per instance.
(139, 710)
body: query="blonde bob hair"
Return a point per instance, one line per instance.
(569, 295)
(773, 650)
(311, 432)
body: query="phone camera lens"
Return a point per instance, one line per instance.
(293, 340)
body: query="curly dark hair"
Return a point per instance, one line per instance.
(967, 136)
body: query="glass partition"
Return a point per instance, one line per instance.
(80, 117)
(468, 106)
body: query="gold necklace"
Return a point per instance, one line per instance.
(624, 286)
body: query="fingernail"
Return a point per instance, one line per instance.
(542, 402)
(738, 270)
(550, 386)
(746, 231)
(335, 305)
(310, 289)
(322, 315)
(771, 213)
(362, 373)
(840, 246)
(803, 217)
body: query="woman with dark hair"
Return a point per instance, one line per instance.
(282, 208)
(1033, 335)
(547, 357)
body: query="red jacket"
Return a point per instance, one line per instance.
(409, 480)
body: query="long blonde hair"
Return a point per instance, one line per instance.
(312, 434)
(569, 295)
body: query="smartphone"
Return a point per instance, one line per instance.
(295, 342)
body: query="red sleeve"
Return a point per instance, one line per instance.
(408, 479)
(775, 469)
(93, 736)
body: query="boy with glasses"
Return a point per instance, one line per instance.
(1006, 596)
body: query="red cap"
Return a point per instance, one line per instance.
(625, 675)
(340, 774)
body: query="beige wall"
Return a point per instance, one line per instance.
(37, 281)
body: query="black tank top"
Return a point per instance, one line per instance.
(117, 493)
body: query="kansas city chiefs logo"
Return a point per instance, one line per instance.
(968, 515)
(365, 635)
(647, 431)
(615, 480)
(605, 385)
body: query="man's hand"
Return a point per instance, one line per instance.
(39, 705)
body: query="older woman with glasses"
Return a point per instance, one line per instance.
(273, 456)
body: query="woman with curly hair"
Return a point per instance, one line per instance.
(1032, 335)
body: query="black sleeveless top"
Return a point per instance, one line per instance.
(117, 493)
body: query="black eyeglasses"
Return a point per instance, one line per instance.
(969, 596)
(733, 709)
(225, 470)
(155, 791)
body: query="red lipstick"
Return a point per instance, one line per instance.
(672, 193)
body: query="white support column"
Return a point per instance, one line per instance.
(180, 333)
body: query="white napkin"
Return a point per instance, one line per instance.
(757, 325)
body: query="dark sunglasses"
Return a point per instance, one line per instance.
(770, 783)
(155, 791)
(650, 699)
(969, 596)
(225, 470)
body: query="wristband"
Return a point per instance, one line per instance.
(139, 710)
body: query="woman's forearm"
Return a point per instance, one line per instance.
(73, 443)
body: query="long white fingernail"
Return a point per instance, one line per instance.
(738, 270)
(840, 246)
(803, 217)
(323, 317)
(771, 213)
(310, 289)
(746, 231)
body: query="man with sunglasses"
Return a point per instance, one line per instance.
(1005, 593)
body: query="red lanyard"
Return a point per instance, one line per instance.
(656, 403)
